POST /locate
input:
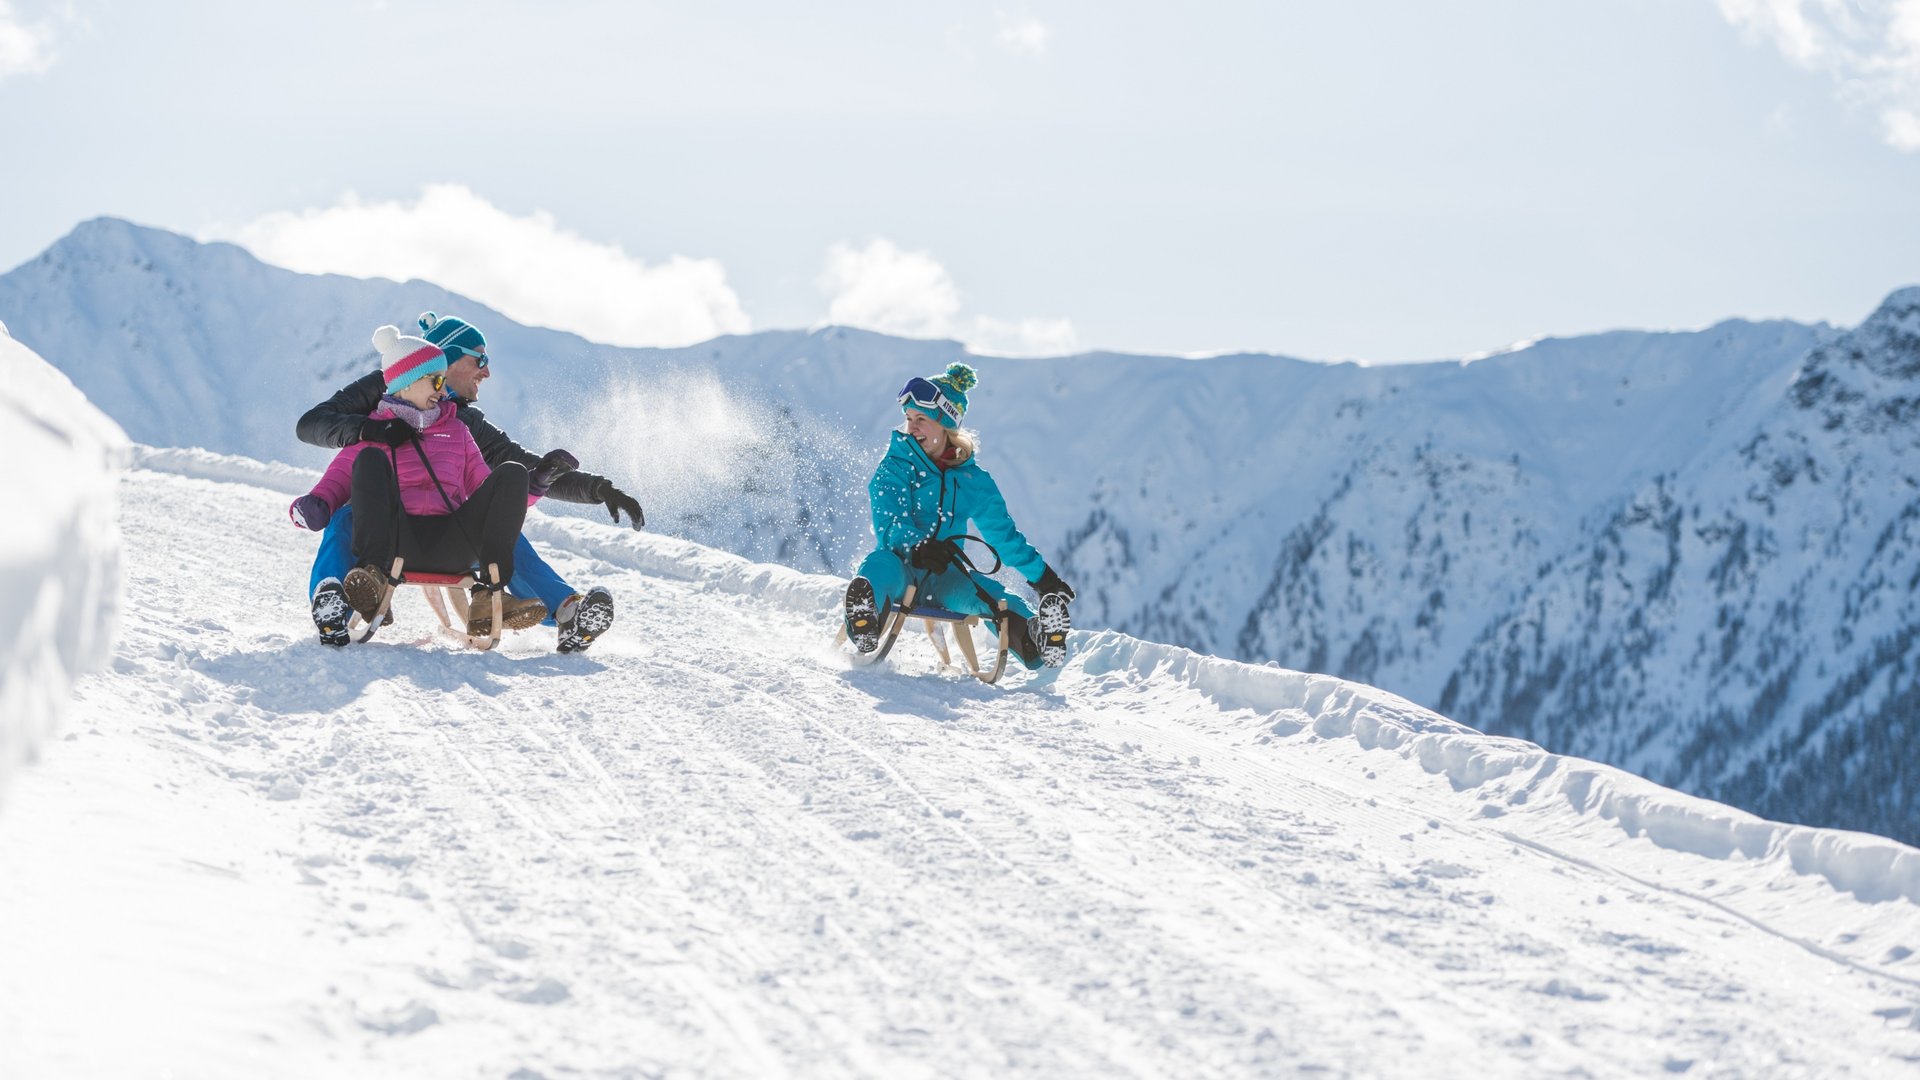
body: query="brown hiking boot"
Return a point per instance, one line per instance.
(515, 613)
(363, 588)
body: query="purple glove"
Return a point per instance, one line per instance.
(310, 512)
(555, 465)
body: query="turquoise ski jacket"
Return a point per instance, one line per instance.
(914, 500)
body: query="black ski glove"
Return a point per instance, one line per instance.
(932, 556)
(391, 431)
(1050, 583)
(616, 501)
(555, 465)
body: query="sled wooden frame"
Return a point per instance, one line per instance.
(446, 594)
(934, 619)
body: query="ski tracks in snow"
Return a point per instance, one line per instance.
(709, 847)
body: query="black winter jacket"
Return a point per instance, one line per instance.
(335, 423)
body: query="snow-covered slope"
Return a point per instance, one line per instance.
(1414, 527)
(709, 847)
(59, 551)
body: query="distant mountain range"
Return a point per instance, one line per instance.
(1685, 553)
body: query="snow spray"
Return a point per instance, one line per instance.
(726, 468)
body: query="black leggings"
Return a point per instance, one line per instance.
(482, 530)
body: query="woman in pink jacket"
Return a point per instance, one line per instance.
(431, 500)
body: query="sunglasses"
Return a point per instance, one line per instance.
(926, 395)
(479, 358)
(437, 380)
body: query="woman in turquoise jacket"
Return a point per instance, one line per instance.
(925, 492)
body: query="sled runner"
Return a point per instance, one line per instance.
(936, 619)
(446, 594)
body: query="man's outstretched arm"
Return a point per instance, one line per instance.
(574, 487)
(336, 422)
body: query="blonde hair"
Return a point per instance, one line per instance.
(965, 442)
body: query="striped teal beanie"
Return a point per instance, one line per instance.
(954, 384)
(452, 334)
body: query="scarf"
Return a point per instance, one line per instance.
(418, 419)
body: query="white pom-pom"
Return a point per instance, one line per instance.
(428, 320)
(386, 338)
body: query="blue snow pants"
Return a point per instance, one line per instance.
(952, 588)
(532, 577)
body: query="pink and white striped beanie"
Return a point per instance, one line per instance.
(404, 359)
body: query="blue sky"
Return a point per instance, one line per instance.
(1377, 179)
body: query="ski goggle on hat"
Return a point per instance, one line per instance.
(926, 394)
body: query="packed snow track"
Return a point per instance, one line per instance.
(711, 847)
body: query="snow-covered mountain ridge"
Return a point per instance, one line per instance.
(1401, 526)
(1760, 601)
(711, 847)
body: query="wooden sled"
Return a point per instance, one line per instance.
(935, 619)
(446, 594)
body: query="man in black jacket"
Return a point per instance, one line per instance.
(342, 420)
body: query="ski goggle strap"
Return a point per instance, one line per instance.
(927, 395)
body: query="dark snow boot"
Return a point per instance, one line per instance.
(330, 612)
(583, 618)
(1020, 640)
(863, 620)
(1050, 629)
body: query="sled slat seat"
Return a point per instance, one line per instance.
(934, 618)
(446, 594)
(928, 611)
(429, 577)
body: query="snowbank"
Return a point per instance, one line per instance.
(1785, 876)
(60, 552)
(225, 468)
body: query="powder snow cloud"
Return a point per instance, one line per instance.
(909, 293)
(25, 48)
(528, 268)
(1871, 48)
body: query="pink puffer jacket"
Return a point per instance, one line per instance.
(449, 446)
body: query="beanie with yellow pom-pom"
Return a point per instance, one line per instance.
(948, 388)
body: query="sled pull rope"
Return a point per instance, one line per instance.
(420, 446)
(967, 566)
(960, 556)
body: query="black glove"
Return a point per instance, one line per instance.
(556, 464)
(616, 501)
(1050, 583)
(391, 431)
(932, 556)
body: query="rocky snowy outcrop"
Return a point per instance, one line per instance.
(60, 550)
(1746, 626)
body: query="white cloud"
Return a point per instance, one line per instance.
(529, 268)
(1903, 129)
(882, 288)
(1027, 337)
(1871, 48)
(908, 293)
(25, 48)
(1021, 35)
